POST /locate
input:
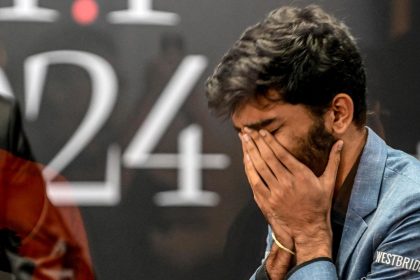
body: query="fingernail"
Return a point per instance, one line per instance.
(263, 133)
(246, 137)
(247, 130)
(239, 135)
(340, 145)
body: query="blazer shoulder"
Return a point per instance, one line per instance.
(402, 166)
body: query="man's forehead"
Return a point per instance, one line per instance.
(265, 99)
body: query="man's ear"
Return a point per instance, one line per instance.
(340, 115)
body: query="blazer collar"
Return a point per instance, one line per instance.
(367, 184)
(364, 196)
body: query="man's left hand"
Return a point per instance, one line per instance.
(292, 198)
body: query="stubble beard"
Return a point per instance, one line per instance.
(314, 150)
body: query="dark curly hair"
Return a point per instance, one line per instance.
(305, 54)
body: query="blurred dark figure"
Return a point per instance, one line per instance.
(37, 240)
(141, 217)
(245, 243)
(162, 67)
(401, 97)
(184, 242)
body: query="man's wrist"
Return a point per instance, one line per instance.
(283, 237)
(313, 245)
(307, 253)
(278, 263)
(302, 265)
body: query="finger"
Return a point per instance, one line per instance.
(244, 158)
(330, 172)
(276, 167)
(243, 147)
(257, 185)
(258, 162)
(288, 160)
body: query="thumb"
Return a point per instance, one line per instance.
(330, 172)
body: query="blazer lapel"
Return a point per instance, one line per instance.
(353, 229)
(364, 197)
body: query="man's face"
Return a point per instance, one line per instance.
(293, 126)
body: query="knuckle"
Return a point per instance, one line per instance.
(267, 153)
(270, 139)
(255, 134)
(251, 148)
(300, 176)
(264, 169)
(274, 198)
(281, 155)
(259, 185)
(274, 164)
(257, 164)
(329, 182)
(288, 182)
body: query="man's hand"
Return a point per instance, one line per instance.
(293, 199)
(278, 263)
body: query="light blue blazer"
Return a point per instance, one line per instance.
(381, 235)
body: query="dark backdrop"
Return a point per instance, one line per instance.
(131, 234)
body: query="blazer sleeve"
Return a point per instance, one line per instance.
(319, 268)
(261, 273)
(398, 255)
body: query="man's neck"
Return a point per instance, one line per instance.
(354, 142)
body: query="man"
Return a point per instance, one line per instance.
(340, 203)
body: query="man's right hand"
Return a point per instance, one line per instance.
(278, 263)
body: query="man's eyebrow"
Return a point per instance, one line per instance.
(257, 125)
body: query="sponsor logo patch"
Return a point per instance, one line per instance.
(397, 261)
